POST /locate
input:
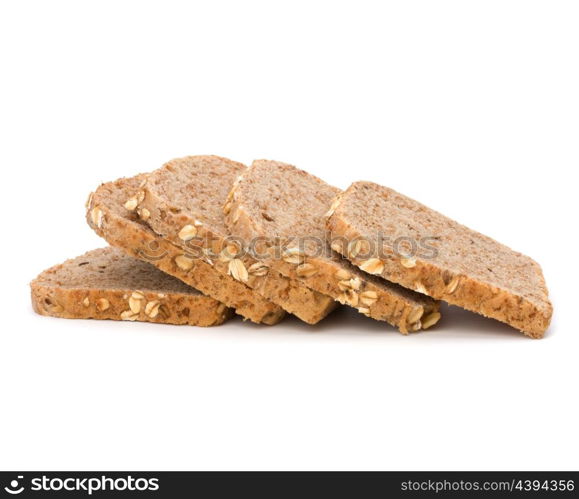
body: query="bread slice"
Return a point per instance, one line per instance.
(107, 215)
(183, 202)
(108, 284)
(462, 267)
(283, 208)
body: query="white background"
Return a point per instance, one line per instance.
(470, 107)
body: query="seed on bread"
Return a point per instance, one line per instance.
(306, 270)
(188, 232)
(354, 248)
(368, 298)
(430, 320)
(336, 246)
(152, 308)
(129, 315)
(416, 326)
(409, 262)
(102, 304)
(343, 274)
(350, 284)
(293, 256)
(344, 285)
(349, 297)
(258, 269)
(96, 216)
(86, 302)
(415, 315)
(144, 214)
(184, 262)
(237, 270)
(50, 305)
(333, 207)
(452, 285)
(131, 203)
(135, 301)
(419, 287)
(207, 254)
(232, 249)
(373, 266)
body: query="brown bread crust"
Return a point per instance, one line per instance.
(108, 284)
(472, 270)
(122, 228)
(301, 199)
(189, 193)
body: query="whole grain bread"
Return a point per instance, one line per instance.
(284, 208)
(108, 284)
(121, 227)
(183, 202)
(464, 268)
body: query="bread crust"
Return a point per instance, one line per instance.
(333, 275)
(121, 228)
(52, 297)
(456, 288)
(168, 218)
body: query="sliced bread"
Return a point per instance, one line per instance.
(463, 267)
(183, 202)
(283, 209)
(121, 227)
(108, 284)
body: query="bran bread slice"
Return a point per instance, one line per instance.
(108, 284)
(464, 268)
(183, 202)
(109, 218)
(283, 207)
